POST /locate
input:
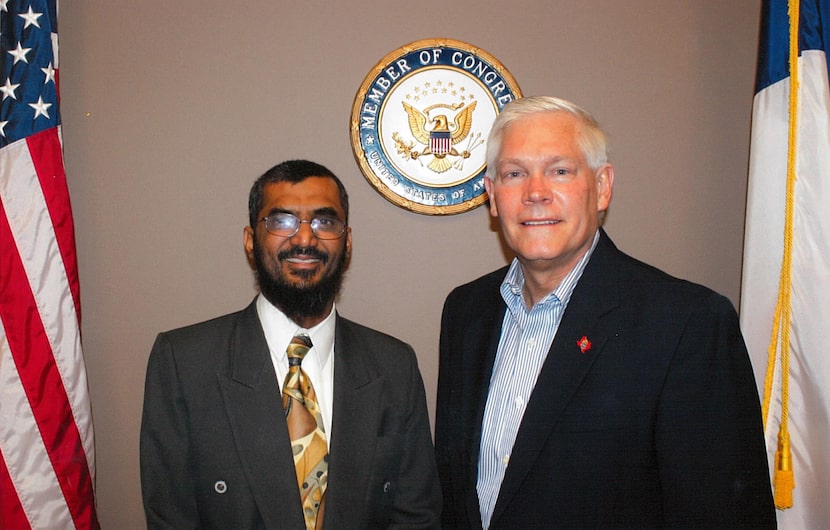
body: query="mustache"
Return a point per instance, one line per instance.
(309, 252)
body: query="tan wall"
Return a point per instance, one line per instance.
(172, 109)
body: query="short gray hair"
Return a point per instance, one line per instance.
(591, 138)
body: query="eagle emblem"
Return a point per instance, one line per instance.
(437, 134)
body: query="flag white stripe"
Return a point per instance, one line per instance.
(24, 453)
(764, 243)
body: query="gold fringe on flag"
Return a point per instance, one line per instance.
(783, 481)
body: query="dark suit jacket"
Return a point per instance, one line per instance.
(215, 451)
(658, 424)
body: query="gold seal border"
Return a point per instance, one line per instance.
(354, 127)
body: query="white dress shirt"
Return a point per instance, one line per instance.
(526, 338)
(318, 363)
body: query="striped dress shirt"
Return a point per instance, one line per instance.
(526, 337)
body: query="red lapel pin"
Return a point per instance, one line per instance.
(584, 344)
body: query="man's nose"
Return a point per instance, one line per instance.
(304, 235)
(537, 188)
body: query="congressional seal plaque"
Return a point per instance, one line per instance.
(420, 121)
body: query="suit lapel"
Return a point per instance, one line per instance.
(356, 421)
(483, 335)
(565, 367)
(254, 407)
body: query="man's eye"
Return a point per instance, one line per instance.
(563, 172)
(325, 221)
(285, 220)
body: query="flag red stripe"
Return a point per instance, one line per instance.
(42, 383)
(11, 511)
(47, 156)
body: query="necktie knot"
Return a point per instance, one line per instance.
(297, 349)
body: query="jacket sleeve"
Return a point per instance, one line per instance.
(709, 437)
(418, 503)
(166, 481)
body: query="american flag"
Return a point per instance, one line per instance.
(46, 441)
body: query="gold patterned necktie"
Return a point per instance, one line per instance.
(308, 437)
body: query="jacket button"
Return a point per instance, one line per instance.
(220, 487)
(386, 486)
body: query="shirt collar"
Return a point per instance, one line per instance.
(511, 287)
(279, 330)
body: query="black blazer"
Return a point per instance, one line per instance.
(215, 451)
(658, 424)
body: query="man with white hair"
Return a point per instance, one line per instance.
(579, 387)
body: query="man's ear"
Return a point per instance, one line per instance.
(488, 185)
(349, 241)
(248, 236)
(605, 186)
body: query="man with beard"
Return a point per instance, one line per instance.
(240, 430)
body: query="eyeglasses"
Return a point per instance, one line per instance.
(287, 224)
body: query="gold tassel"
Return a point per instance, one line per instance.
(783, 480)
